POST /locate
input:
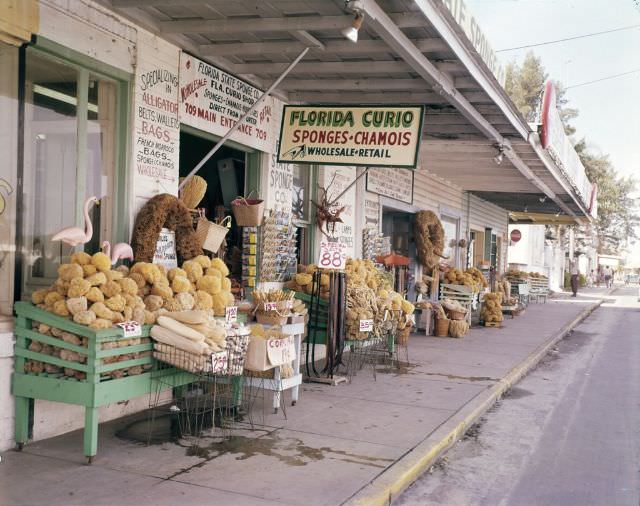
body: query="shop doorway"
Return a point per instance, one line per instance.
(225, 175)
(399, 226)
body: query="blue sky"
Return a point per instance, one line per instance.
(610, 110)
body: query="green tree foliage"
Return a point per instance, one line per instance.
(525, 83)
(618, 214)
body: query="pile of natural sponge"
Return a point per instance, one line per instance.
(91, 293)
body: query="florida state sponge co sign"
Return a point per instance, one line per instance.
(371, 136)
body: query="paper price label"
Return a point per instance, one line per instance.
(281, 351)
(332, 255)
(231, 314)
(270, 306)
(219, 362)
(366, 325)
(130, 328)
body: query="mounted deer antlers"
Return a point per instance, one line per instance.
(328, 212)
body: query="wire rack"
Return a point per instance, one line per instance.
(208, 397)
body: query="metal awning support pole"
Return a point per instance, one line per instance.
(244, 116)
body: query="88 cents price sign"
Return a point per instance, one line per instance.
(332, 255)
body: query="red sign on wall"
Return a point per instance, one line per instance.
(515, 235)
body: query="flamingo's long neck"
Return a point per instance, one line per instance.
(88, 226)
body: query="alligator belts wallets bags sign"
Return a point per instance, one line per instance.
(366, 135)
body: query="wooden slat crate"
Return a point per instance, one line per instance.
(105, 368)
(459, 293)
(539, 289)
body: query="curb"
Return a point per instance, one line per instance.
(384, 489)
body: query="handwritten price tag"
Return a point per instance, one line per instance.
(332, 255)
(130, 328)
(219, 362)
(281, 351)
(366, 325)
(231, 314)
(270, 306)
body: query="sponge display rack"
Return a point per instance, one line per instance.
(96, 389)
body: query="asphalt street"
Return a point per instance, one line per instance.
(567, 434)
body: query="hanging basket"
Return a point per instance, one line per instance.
(210, 234)
(248, 211)
(442, 327)
(456, 315)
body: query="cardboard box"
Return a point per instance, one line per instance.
(265, 354)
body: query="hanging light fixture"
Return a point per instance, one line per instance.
(351, 32)
(500, 156)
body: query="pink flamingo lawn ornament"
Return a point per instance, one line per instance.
(121, 251)
(76, 235)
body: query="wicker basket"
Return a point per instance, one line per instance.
(403, 335)
(248, 211)
(271, 318)
(210, 235)
(442, 327)
(456, 315)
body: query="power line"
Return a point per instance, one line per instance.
(603, 79)
(569, 38)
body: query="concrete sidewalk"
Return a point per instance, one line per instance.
(358, 443)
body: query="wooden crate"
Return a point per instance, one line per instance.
(95, 386)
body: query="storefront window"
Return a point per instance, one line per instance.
(450, 226)
(69, 155)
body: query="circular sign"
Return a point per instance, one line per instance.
(516, 235)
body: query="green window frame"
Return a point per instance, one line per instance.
(121, 182)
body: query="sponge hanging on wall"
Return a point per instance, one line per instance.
(166, 211)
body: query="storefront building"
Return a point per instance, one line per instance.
(121, 99)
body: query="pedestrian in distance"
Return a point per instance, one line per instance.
(608, 276)
(575, 275)
(591, 278)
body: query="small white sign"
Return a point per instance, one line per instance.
(332, 255)
(281, 351)
(270, 306)
(219, 362)
(131, 328)
(231, 314)
(366, 325)
(166, 249)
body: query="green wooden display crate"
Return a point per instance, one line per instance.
(317, 325)
(97, 387)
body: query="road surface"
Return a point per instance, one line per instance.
(567, 434)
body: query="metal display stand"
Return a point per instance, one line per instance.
(277, 384)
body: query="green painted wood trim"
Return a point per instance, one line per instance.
(50, 359)
(53, 341)
(125, 364)
(52, 389)
(312, 228)
(57, 50)
(123, 350)
(116, 390)
(82, 118)
(123, 176)
(252, 179)
(487, 244)
(31, 312)
(307, 298)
